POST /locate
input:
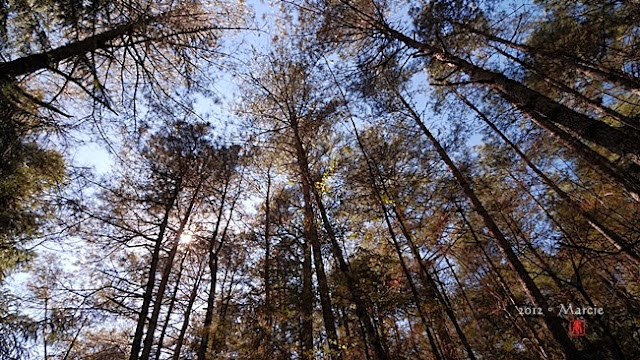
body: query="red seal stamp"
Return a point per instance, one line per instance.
(577, 328)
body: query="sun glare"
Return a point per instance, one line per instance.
(186, 238)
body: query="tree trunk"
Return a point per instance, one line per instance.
(590, 69)
(531, 333)
(187, 314)
(311, 234)
(607, 233)
(267, 251)
(444, 335)
(529, 286)
(576, 95)
(549, 115)
(306, 305)
(213, 250)
(170, 309)
(148, 294)
(219, 336)
(45, 325)
(32, 63)
(308, 188)
(431, 286)
(266, 345)
(357, 297)
(166, 273)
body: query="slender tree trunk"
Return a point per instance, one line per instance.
(446, 303)
(590, 69)
(615, 346)
(352, 284)
(540, 108)
(416, 296)
(267, 252)
(213, 250)
(357, 296)
(267, 344)
(148, 294)
(443, 334)
(311, 234)
(170, 309)
(435, 349)
(166, 273)
(463, 292)
(607, 233)
(220, 335)
(363, 337)
(414, 345)
(549, 115)
(187, 313)
(430, 284)
(531, 333)
(575, 94)
(45, 325)
(306, 305)
(32, 63)
(75, 339)
(396, 332)
(531, 289)
(345, 323)
(208, 320)
(544, 265)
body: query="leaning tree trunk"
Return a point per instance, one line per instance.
(584, 100)
(441, 330)
(352, 284)
(306, 305)
(357, 296)
(508, 294)
(153, 267)
(431, 286)
(32, 63)
(172, 303)
(607, 233)
(166, 273)
(590, 69)
(311, 235)
(187, 313)
(550, 115)
(532, 290)
(213, 250)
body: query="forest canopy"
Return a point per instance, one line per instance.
(319, 179)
